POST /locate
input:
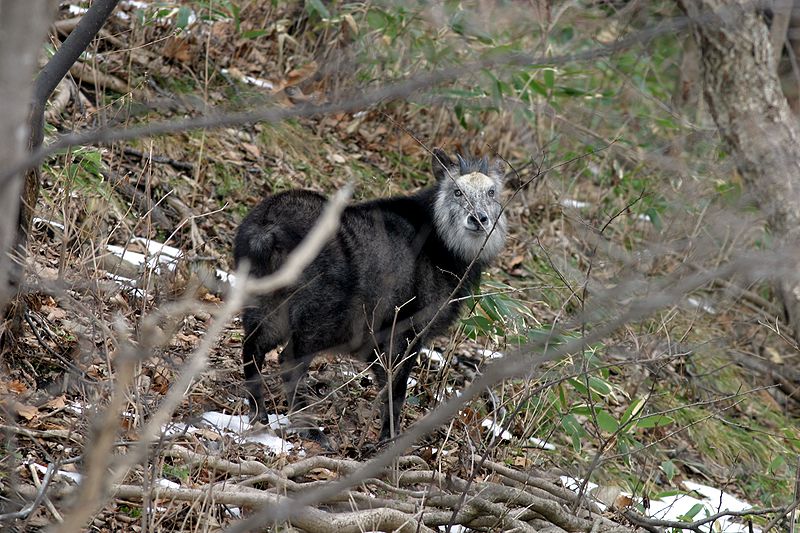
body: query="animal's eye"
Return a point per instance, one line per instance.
(457, 192)
(491, 193)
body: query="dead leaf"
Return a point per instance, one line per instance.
(53, 313)
(774, 355)
(337, 159)
(321, 474)
(252, 150)
(178, 49)
(208, 297)
(516, 261)
(208, 434)
(301, 74)
(28, 412)
(18, 387)
(623, 502)
(522, 461)
(56, 403)
(191, 339)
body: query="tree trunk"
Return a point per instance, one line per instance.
(46, 82)
(743, 92)
(23, 27)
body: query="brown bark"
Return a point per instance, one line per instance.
(743, 92)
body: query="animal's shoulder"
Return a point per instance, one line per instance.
(414, 209)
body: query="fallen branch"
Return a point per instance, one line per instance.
(88, 74)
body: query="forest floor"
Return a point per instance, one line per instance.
(713, 373)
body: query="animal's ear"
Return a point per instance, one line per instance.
(484, 165)
(497, 169)
(441, 164)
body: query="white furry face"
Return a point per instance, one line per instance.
(468, 213)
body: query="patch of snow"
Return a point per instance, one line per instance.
(167, 484)
(574, 204)
(442, 452)
(77, 407)
(126, 255)
(575, 484)
(74, 476)
(250, 80)
(160, 254)
(412, 383)
(277, 422)
(137, 4)
(230, 279)
(157, 248)
(497, 429)
(491, 354)
(76, 10)
(703, 306)
(674, 507)
(434, 355)
(267, 439)
(53, 223)
(724, 500)
(543, 444)
(235, 423)
(240, 429)
(122, 280)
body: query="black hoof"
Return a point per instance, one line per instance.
(258, 416)
(318, 437)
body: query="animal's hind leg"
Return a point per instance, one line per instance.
(257, 342)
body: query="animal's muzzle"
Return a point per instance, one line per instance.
(478, 222)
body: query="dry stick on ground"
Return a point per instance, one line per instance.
(308, 519)
(497, 501)
(652, 523)
(93, 76)
(96, 479)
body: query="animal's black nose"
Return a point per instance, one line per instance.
(472, 220)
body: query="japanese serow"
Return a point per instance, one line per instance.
(390, 278)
